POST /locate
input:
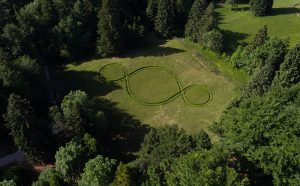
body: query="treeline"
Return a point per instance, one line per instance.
(261, 126)
(74, 29)
(70, 29)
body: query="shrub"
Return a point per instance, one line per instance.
(213, 40)
(99, 171)
(261, 7)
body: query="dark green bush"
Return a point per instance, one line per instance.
(213, 40)
(261, 7)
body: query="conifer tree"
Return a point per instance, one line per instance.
(109, 28)
(151, 10)
(164, 20)
(261, 7)
(194, 26)
(20, 121)
(289, 70)
(261, 37)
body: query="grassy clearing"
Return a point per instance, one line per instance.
(175, 55)
(241, 26)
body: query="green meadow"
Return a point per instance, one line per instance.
(240, 25)
(177, 56)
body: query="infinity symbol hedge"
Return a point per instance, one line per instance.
(181, 92)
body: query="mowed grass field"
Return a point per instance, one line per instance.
(156, 85)
(241, 26)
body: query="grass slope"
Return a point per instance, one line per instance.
(241, 26)
(175, 55)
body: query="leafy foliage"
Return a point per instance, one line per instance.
(71, 158)
(201, 140)
(49, 177)
(200, 20)
(8, 183)
(269, 136)
(204, 168)
(123, 176)
(75, 115)
(261, 37)
(289, 70)
(165, 143)
(272, 52)
(98, 171)
(213, 40)
(202, 26)
(165, 18)
(23, 126)
(261, 80)
(160, 147)
(109, 28)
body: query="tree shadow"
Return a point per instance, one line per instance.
(90, 82)
(232, 40)
(151, 46)
(157, 51)
(284, 11)
(7, 145)
(126, 132)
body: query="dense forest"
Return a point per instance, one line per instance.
(258, 133)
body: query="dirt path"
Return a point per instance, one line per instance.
(17, 157)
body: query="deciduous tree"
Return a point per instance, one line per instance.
(98, 171)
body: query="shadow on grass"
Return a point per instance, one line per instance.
(88, 82)
(284, 11)
(127, 132)
(151, 46)
(157, 51)
(232, 40)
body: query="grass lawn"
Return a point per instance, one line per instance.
(241, 26)
(153, 85)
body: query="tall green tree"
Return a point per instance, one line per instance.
(98, 171)
(201, 20)
(75, 115)
(261, 37)
(289, 70)
(75, 32)
(165, 18)
(109, 28)
(159, 149)
(261, 80)
(22, 124)
(70, 159)
(261, 7)
(151, 10)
